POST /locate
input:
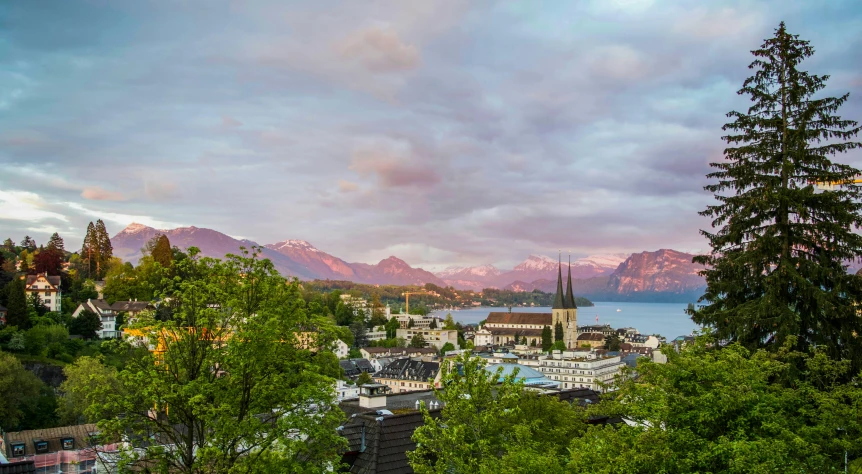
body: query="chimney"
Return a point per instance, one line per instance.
(373, 395)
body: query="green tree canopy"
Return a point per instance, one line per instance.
(776, 270)
(18, 313)
(18, 386)
(254, 396)
(87, 325)
(364, 378)
(85, 380)
(418, 341)
(729, 410)
(547, 338)
(558, 332)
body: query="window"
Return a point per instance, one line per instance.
(40, 445)
(68, 443)
(17, 449)
(47, 293)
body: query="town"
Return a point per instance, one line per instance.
(603, 237)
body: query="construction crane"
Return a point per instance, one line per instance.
(407, 294)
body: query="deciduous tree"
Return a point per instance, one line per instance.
(249, 395)
(87, 325)
(17, 387)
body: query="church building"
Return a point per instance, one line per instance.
(503, 328)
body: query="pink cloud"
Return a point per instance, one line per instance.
(347, 186)
(379, 50)
(96, 193)
(394, 169)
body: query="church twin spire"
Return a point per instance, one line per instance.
(561, 301)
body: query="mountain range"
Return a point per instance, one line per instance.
(663, 275)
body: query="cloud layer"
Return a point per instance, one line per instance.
(446, 132)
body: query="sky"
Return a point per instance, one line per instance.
(444, 132)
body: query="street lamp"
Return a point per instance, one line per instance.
(842, 431)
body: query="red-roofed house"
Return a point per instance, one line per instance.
(48, 289)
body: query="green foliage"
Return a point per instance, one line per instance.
(449, 322)
(360, 334)
(56, 243)
(486, 427)
(18, 313)
(364, 378)
(558, 346)
(446, 348)
(727, 410)
(776, 271)
(233, 369)
(433, 324)
(45, 340)
(87, 325)
(417, 341)
(613, 342)
(17, 388)
(547, 342)
(558, 332)
(392, 327)
(161, 252)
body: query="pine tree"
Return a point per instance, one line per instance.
(28, 243)
(89, 249)
(18, 313)
(558, 331)
(776, 270)
(546, 338)
(8, 245)
(56, 243)
(105, 250)
(162, 252)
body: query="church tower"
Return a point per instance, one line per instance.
(571, 325)
(560, 310)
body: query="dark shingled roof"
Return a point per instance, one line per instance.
(54, 280)
(101, 304)
(591, 336)
(18, 467)
(81, 433)
(409, 369)
(543, 319)
(354, 367)
(387, 439)
(130, 306)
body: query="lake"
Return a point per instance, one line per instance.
(666, 319)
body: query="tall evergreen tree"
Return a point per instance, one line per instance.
(56, 243)
(8, 245)
(18, 313)
(558, 332)
(105, 250)
(162, 252)
(88, 251)
(546, 338)
(776, 270)
(28, 243)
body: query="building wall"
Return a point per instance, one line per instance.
(433, 337)
(581, 373)
(51, 296)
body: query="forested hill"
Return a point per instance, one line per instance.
(433, 296)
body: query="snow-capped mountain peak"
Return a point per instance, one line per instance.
(537, 262)
(477, 271)
(135, 228)
(611, 261)
(295, 244)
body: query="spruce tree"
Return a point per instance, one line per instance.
(89, 248)
(18, 314)
(777, 269)
(56, 243)
(28, 243)
(162, 252)
(558, 331)
(105, 250)
(546, 338)
(8, 245)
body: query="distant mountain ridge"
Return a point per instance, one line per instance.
(292, 258)
(661, 275)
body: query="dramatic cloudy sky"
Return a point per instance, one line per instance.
(443, 132)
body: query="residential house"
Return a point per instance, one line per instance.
(131, 309)
(55, 450)
(341, 349)
(354, 367)
(48, 289)
(376, 352)
(604, 330)
(409, 375)
(103, 310)
(592, 339)
(433, 337)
